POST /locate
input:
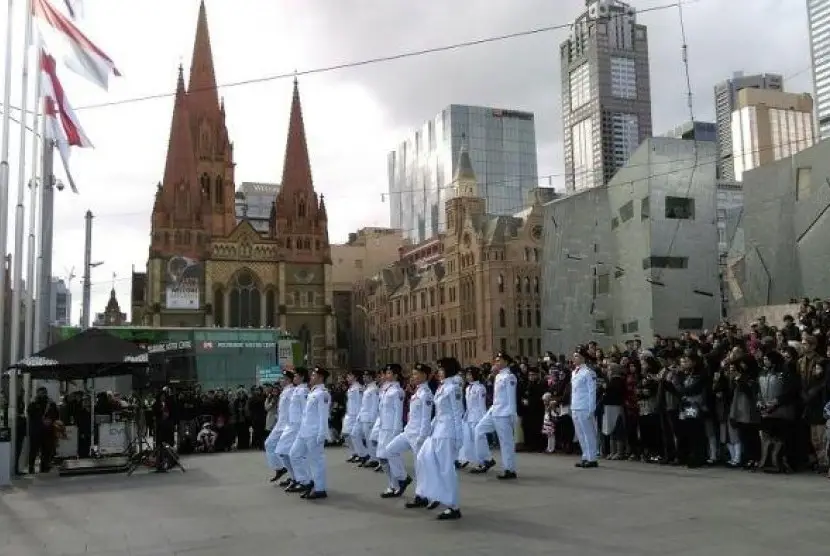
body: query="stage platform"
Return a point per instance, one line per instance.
(98, 466)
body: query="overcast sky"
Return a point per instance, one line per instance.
(355, 116)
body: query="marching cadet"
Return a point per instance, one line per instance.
(435, 463)
(476, 407)
(366, 418)
(271, 457)
(414, 433)
(374, 436)
(296, 406)
(308, 454)
(390, 421)
(501, 417)
(354, 397)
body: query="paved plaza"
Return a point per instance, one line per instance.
(224, 505)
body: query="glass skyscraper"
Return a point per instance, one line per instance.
(818, 12)
(502, 146)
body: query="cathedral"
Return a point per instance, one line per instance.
(204, 268)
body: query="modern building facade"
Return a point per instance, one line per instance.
(769, 125)
(638, 257)
(254, 201)
(502, 147)
(606, 92)
(786, 229)
(60, 303)
(112, 315)
(696, 131)
(726, 100)
(818, 13)
(468, 292)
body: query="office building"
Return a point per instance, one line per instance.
(768, 126)
(502, 147)
(695, 131)
(253, 201)
(60, 303)
(606, 92)
(726, 99)
(818, 13)
(636, 258)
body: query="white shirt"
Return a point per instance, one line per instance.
(504, 395)
(282, 407)
(296, 406)
(476, 396)
(315, 423)
(420, 414)
(448, 411)
(376, 425)
(390, 409)
(584, 389)
(354, 398)
(369, 404)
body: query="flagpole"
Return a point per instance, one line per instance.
(4, 181)
(19, 218)
(34, 216)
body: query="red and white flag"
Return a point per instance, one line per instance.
(72, 46)
(61, 122)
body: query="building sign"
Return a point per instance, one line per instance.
(183, 279)
(269, 375)
(207, 346)
(170, 346)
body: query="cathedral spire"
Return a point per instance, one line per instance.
(180, 166)
(202, 85)
(296, 170)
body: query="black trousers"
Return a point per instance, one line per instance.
(18, 447)
(42, 443)
(693, 440)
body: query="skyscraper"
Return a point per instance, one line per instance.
(502, 147)
(818, 13)
(606, 92)
(726, 101)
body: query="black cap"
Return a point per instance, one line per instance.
(423, 368)
(450, 366)
(394, 368)
(302, 372)
(320, 371)
(370, 372)
(288, 373)
(504, 357)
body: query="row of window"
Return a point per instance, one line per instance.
(464, 350)
(521, 284)
(676, 208)
(526, 347)
(604, 326)
(524, 317)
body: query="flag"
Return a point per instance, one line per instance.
(75, 8)
(61, 123)
(76, 51)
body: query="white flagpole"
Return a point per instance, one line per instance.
(19, 217)
(4, 181)
(34, 214)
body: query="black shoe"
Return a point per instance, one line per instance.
(590, 465)
(285, 482)
(483, 468)
(457, 464)
(307, 489)
(433, 505)
(372, 465)
(465, 464)
(354, 459)
(296, 487)
(362, 461)
(390, 493)
(581, 464)
(379, 469)
(449, 514)
(507, 475)
(417, 502)
(403, 485)
(278, 475)
(316, 495)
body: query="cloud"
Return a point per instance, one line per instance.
(355, 116)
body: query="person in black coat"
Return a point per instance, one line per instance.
(41, 416)
(531, 408)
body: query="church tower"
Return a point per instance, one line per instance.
(465, 201)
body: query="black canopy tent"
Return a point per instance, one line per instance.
(90, 354)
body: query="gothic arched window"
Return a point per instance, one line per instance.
(527, 314)
(204, 182)
(270, 309)
(304, 338)
(301, 209)
(527, 285)
(501, 283)
(245, 300)
(219, 306)
(502, 318)
(219, 196)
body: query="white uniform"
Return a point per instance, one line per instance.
(414, 434)
(500, 418)
(296, 406)
(374, 434)
(308, 455)
(583, 410)
(354, 397)
(389, 424)
(476, 398)
(366, 418)
(435, 464)
(282, 421)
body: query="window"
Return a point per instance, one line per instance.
(358, 263)
(503, 344)
(580, 86)
(536, 285)
(623, 77)
(519, 317)
(432, 326)
(528, 316)
(538, 315)
(521, 346)
(301, 209)
(803, 183)
(645, 208)
(270, 309)
(582, 147)
(518, 285)
(501, 283)
(602, 326)
(219, 196)
(219, 307)
(627, 211)
(527, 285)
(441, 295)
(443, 325)
(630, 327)
(665, 262)
(685, 323)
(625, 137)
(680, 208)
(615, 223)
(603, 284)
(502, 318)
(432, 297)
(244, 301)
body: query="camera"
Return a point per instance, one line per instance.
(59, 184)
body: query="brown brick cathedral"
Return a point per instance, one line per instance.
(204, 269)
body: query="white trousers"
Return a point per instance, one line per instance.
(271, 457)
(503, 427)
(283, 449)
(585, 427)
(353, 440)
(394, 454)
(385, 458)
(468, 452)
(309, 460)
(436, 473)
(361, 437)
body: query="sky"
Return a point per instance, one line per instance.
(353, 116)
